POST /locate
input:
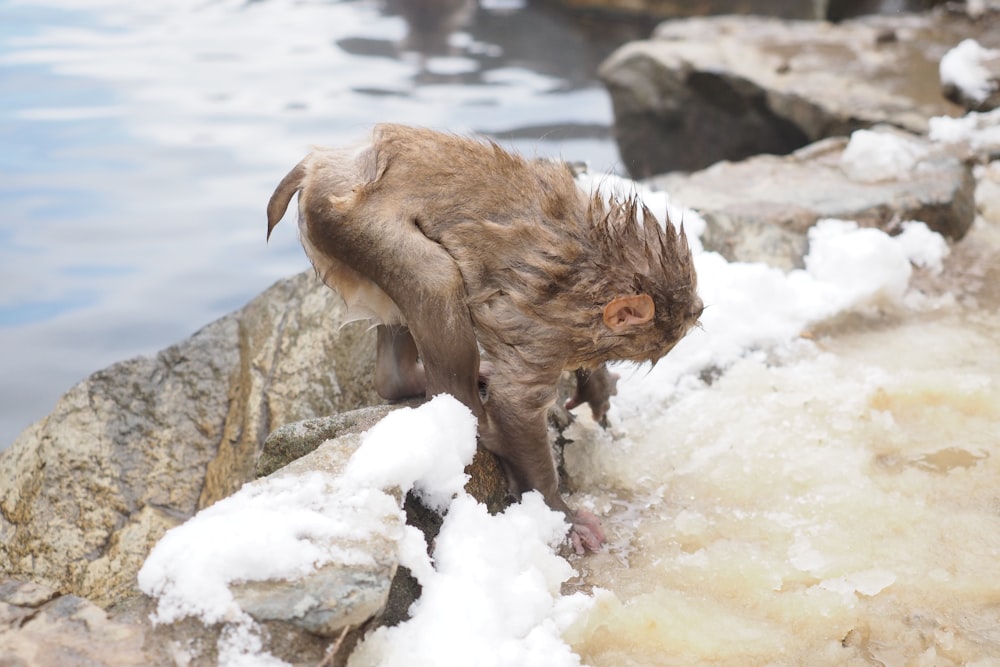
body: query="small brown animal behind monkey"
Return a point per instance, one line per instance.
(449, 243)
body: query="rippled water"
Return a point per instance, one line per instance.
(141, 140)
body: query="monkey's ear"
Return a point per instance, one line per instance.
(623, 312)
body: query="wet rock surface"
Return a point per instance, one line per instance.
(702, 90)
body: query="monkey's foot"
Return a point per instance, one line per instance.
(586, 533)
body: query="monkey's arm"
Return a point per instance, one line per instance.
(517, 431)
(595, 388)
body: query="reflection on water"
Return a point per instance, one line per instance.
(142, 140)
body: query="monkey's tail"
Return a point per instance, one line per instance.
(278, 203)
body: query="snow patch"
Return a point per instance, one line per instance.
(962, 67)
(880, 156)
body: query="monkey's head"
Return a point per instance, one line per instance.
(652, 280)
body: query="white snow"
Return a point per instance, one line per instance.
(752, 306)
(981, 131)
(492, 596)
(432, 461)
(491, 592)
(962, 67)
(923, 247)
(880, 156)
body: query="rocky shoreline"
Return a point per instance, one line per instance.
(143, 445)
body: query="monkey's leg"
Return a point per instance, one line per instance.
(398, 373)
(424, 281)
(420, 277)
(517, 432)
(450, 354)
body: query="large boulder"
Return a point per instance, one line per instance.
(297, 361)
(336, 595)
(299, 619)
(815, 9)
(136, 448)
(702, 90)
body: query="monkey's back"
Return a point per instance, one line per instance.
(537, 258)
(520, 231)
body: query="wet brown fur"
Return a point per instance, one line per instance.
(464, 242)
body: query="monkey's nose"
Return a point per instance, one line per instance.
(697, 308)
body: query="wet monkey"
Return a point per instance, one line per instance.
(452, 244)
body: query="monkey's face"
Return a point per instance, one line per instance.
(679, 320)
(669, 328)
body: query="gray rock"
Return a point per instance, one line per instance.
(40, 628)
(136, 448)
(334, 596)
(296, 362)
(811, 9)
(286, 449)
(703, 90)
(292, 441)
(336, 600)
(761, 209)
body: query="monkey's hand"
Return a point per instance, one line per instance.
(586, 533)
(595, 388)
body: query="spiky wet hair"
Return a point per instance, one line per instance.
(637, 255)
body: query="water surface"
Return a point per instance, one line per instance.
(140, 142)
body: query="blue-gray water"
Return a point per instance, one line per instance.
(139, 142)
